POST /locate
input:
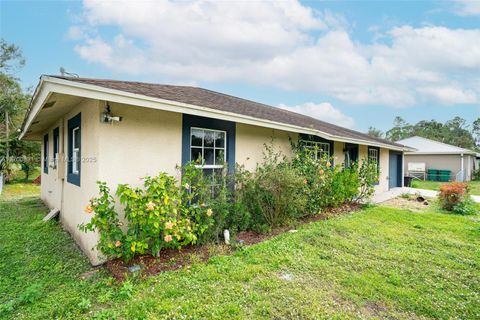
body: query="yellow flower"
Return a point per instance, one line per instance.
(88, 209)
(168, 238)
(169, 225)
(150, 206)
(187, 186)
(305, 181)
(117, 243)
(209, 212)
(329, 164)
(202, 205)
(321, 171)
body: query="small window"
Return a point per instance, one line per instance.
(56, 145)
(320, 150)
(208, 152)
(373, 155)
(45, 153)
(74, 149)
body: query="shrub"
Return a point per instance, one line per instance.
(331, 186)
(367, 177)
(159, 215)
(452, 194)
(466, 207)
(476, 174)
(106, 221)
(229, 213)
(273, 193)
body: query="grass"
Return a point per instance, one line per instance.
(40, 264)
(435, 185)
(376, 263)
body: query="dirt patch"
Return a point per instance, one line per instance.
(172, 259)
(408, 203)
(37, 180)
(169, 259)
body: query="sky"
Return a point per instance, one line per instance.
(353, 63)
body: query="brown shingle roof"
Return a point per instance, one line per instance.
(223, 102)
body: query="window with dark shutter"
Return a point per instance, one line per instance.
(74, 149)
(45, 153)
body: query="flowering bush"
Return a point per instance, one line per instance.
(328, 185)
(162, 214)
(453, 194)
(106, 221)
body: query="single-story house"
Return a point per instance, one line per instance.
(435, 155)
(119, 131)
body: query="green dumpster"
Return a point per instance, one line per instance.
(432, 174)
(444, 175)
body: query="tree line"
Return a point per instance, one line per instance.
(457, 131)
(14, 102)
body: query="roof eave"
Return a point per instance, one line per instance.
(49, 84)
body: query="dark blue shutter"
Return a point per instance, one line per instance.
(45, 153)
(56, 144)
(73, 123)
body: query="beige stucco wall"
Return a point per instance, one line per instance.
(250, 141)
(145, 142)
(75, 198)
(50, 180)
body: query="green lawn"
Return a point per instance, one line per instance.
(376, 263)
(435, 185)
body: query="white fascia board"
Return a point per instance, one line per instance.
(41, 95)
(101, 93)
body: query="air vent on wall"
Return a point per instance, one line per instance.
(49, 104)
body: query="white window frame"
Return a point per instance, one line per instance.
(373, 156)
(214, 167)
(224, 148)
(75, 151)
(321, 148)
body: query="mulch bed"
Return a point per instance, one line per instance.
(172, 259)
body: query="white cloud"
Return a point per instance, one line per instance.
(467, 7)
(323, 111)
(282, 44)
